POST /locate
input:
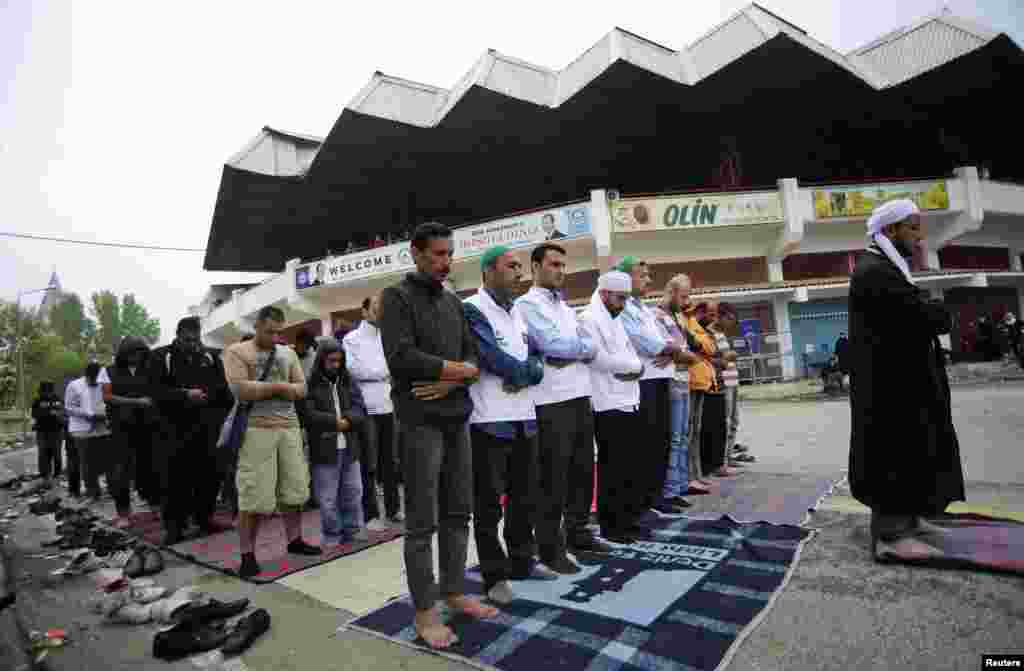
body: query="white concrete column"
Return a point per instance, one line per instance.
(601, 225)
(775, 271)
(243, 320)
(784, 329)
(971, 205)
(797, 209)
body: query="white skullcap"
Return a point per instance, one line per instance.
(892, 212)
(615, 280)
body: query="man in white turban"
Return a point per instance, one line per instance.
(904, 456)
(615, 394)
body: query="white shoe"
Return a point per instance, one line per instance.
(108, 604)
(133, 613)
(376, 524)
(148, 594)
(501, 593)
(541, 571)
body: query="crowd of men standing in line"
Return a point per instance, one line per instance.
(485, 408)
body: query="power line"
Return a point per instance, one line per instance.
(27, 236)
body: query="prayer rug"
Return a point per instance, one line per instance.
(682, 598)
(221, 551)
(752, 496)
(971, 542)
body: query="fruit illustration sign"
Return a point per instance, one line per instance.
(861, 201)
(633, 215)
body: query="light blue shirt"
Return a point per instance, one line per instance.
(635, 319)
(543, 331)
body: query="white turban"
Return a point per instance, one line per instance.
(892, 212)
(615, 280)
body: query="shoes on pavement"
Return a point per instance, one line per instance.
(199, 614)
(132, 613)
(136, 564)
(744, 458)
(153, 562)
(377, 524)
(739, 449)
(248, 629)
(563, 565)
(176, 643)
(680, 501)
(591, 544)
(397, 518)
(621, 537)
(301, 547)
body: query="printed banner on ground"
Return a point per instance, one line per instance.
(861, 201)
(555, 224)
(634, 215)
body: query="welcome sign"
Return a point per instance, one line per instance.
(339, 269)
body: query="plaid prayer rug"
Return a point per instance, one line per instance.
(971, 542)
(683, 598)
(221, 551)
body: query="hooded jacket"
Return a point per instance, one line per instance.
(124, 383)
(172, 371)
(318, 412)
(48, 412)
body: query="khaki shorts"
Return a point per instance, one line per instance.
(272, 471)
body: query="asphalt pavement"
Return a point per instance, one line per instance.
(839, 610)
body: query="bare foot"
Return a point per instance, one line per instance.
(908, 548)
(472, 607)
(430, 628)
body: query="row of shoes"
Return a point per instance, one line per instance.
(143, 561)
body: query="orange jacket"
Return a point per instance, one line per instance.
(702, 372)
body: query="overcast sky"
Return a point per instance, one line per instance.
(117, 117)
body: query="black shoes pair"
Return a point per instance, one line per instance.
(250, 568)
(201, 628)
(590, 544)
(144, 561)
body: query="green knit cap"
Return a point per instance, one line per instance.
(490, 257)
(626, 264)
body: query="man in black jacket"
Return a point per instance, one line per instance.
(48, 413)
(431, 354)
(187, 383)
(904, 455)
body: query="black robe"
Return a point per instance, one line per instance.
(904, 455)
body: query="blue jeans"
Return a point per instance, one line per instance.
(677, 477)
(339, 491)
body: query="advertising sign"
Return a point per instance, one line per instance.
(528, 229)
(633, 215)
(337, 269)
(534, 228)
(860, 201)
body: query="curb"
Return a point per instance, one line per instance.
(822, 396)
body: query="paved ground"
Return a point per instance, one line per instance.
(839, 610)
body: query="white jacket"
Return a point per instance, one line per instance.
(364, 359)
(615, 355)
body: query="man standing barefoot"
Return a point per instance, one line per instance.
(432, 355)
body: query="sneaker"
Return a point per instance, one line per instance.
(301, 547)
(501, 593)
(397, 518)
(249, 568)
(563, 565)
(248, 629)
(680, 501)
(666, 508)
(378, 524)
(133, 613)
(148, 594)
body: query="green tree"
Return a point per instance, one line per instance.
(68, 320)
(106, 309)
(135, 321)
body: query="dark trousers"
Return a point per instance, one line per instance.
(123, 447)
(621, 477)
(887, 526)
(656, 420)
(48, 452)
(228, 463)
(190, 474)
(713, 432)
(74, 468)
(93, 460)
(147, 470)
(438, 492)
(503, 466)
(566, 469)
(380, 431)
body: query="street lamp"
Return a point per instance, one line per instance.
(22, 401)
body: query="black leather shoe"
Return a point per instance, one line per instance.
(593, 545)
(178, 642)
(666, 508)
(200, 614)
(249, 568)
(621, 537)
(173, 536)
(248, 629)
(680, 501)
